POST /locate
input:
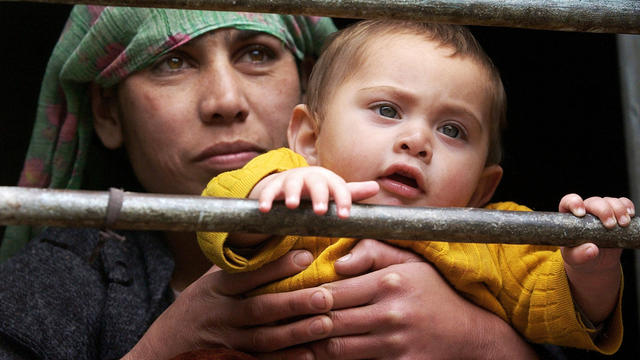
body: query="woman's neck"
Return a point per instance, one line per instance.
(190, 262)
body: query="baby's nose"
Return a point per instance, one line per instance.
(420, 153)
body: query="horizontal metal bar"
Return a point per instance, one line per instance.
(606, 16)
(190, 213)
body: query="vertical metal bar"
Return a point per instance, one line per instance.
(629, 62)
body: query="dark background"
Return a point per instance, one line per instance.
(565, 122)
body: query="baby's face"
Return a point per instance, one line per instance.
(413, 119)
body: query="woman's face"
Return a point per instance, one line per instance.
(208, 107)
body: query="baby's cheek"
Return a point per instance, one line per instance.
(455, 190)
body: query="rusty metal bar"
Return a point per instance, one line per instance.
(606, 16)
(189, 213)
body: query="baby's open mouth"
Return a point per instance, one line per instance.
(404, 179)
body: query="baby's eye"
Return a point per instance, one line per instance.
(451, 131)
(387, 111)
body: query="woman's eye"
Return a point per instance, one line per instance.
(257, 54)
(170, 63)
(451, 131)
(174, 62)
(387, 111)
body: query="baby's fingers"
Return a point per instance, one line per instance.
(626, 212)
(610, 211)
(269, 189)
(341, 196)
(572, 203)
(579, 255)
(330, 185)
(361, 190)
(620, 210)
(292, 188)
(318, 190)
(631, 209)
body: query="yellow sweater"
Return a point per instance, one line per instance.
(523, 284)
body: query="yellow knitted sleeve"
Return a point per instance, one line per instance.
(537, 297)
(525, 285)
(238, 184)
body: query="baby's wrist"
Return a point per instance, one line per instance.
(595, 293)
(592, 273)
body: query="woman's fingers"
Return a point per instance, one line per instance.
(237, 284)
(366, 346)
(272, 338)
(370, 255)
(267, 308)
(291, 353)
(365, 289)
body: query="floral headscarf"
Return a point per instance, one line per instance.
(106, 44)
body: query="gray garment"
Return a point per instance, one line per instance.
(71, 295)
(66, 296)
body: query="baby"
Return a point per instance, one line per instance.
(404, 113)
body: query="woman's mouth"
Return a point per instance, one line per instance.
(232, 160)
(228, 156)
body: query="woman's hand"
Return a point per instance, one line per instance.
(211, 313)
(401, 308)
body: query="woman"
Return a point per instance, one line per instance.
(181, 96)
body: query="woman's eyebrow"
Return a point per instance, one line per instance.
(243, 35)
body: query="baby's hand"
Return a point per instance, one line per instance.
(313, 182)
(611, 212)
(594, 274)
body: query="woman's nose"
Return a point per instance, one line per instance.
(223, 96)
(416, 143)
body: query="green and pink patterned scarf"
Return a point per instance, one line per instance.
(106, 44)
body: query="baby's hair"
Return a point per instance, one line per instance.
(346, 49)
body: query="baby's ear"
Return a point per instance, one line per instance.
(106, 118)
(302, 133)
(487, 185)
